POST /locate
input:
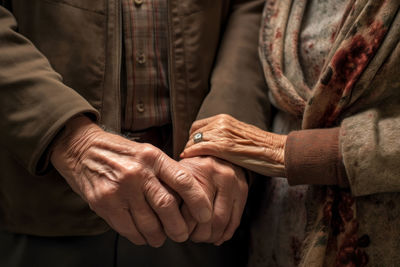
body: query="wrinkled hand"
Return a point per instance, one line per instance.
(242, 144)
(124, 183)
(227, 188)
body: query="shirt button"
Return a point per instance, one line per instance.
(138, 2)
(140, 58)
(140, 107)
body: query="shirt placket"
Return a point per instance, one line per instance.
(147, 102)
(143, 82)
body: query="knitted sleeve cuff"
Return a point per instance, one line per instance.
(314, 157)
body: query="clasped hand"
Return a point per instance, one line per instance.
(143, 194)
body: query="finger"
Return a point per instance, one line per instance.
(217, 119)
(201, 149)
(239, 203)
(146, 221)
(166, 207)
(200, 124)
(148, 225)
(223, 206)
(121, 221)
(191, 142)
(111, 209)
(190, 221)
(237, 212)
(188, 188)
(232, 226)
(202, 232)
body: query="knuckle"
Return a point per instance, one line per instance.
(207, 162)
(107, 193)
(165, 201)
(224, 118)
(131, 171)
(223, 126)
(150, 187)
(228, 172)
(102, 199)
(149, 152)
(183, 180)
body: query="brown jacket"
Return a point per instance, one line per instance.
(59, 58)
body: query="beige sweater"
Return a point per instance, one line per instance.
(358, 92)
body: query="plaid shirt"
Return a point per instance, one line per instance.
(145, 39)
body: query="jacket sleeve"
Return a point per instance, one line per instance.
(237, 83)
(35, 104)
(370, 140)
(370, 144)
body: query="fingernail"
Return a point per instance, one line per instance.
(205, 215)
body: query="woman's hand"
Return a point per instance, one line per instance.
(240, 143)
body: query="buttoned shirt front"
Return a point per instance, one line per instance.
(146, 94)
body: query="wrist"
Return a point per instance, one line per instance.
(314, 157)
(275, 153)
(281, 148)
(74, 134)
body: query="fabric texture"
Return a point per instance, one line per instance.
(63, 58)
(356, 90)
(146, 96)
(314, 158)
(111, 250)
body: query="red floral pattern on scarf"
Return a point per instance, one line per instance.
(334, 240)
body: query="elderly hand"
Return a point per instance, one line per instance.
(124, 183)
(240, 143)
(227, 188)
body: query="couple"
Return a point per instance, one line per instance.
(331, 75)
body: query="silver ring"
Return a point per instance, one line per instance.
(197, 138)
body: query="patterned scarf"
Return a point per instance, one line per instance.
(359, 50)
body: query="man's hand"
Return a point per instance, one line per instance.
(227, 188)
(124, 183)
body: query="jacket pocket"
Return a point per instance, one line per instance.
(189, 7)
(72, 39)
(89, 5)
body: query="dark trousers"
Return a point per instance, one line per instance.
(112, 250)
